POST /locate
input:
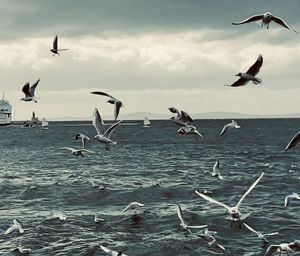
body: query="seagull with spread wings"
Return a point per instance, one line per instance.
(55, 49)
(283, 247)
(289, 197)
(29, 91)
(229, 126)
(182, 118)
(78, 152)
(259, 234)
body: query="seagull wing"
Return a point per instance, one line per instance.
(250, 189)
(240, 82)
(286, 201)
(271, 234)
(55, 43)
(68, 148)
(225, 128)
(282, 23)
(295, 140)
(101, 93)
(185, 117)
(77, 136)
(180, 215)
(271, 249)
(32, 88)
(250, 19)
(197, 227)
(111, 129)
(98, 122)
(211, 200)
(87, 151)
(216, 167)
(251, 229)
(10, 229)
(110, 252)
(25, 89)
(118, 105)
(254, 69)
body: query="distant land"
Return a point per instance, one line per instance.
(158, 116)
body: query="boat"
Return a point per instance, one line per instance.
(44, 124)
(5, 112)
(34, 119)
(27, 124)
(146, 122)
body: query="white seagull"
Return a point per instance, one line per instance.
(55, 49)
(250, 75)
(289, 197)
(294, 142)
(230, 126)
(83, 138)
(233, 211)
(216, 171)
(182, 118)
(132, 206)
(15, 226)
(29, 91)
(259, 234)
(183, 223)
(118, 104)
(265, 18)
(189, 130)
(102, 135)
(78, 152)
(283, 247)
(111, 252)
(208, 236)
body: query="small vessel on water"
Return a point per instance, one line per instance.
(45, 124)
(34, 119)
(5, 112)
(146, 122)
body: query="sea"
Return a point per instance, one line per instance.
(153, 166)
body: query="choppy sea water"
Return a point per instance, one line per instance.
(37, 180)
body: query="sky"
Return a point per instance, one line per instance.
(150, 54)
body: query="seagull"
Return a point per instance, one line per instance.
(118, 104)
(55, 49)
(78, 152)
(60, 216)
(189, 130)
(295, 140)
(250, 75)
(15, 226)
(183, 223)
(216, 171)
(283, 247)
(289, 197)
(22, 251)
(133, 205)
(111, 252)
(230, 126)
(233, 211)
(83, 138)
(182, 118)
(208, 236)
(266, 18)
(261, 235)
(29, 91)
(97, 219)
(102, 135)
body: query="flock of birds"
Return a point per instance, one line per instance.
(184, 121)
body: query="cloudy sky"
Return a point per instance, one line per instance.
(151, 54)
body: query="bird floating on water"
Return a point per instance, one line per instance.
(55, 49)
(29, 91)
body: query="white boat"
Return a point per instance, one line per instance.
(146, 122)
(44, 124)
(5, 112)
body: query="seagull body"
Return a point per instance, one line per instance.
(111, 252)
(294, 142)
(83, 138)
(55, 49)
(208, 236)
(132, 206)
(234, 212)
(229, 126)
(216, 171)
(15, 226)
(29, 91)
(189, 130)
(289, 197)
(182, 118)
(183, 223)
(259, 234)
(102, 135)
(250, 75)
(78, 152)
(118, 104)
(283, 247)
(265, 18)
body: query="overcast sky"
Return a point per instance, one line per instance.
(151, 54)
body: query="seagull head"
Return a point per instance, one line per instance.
(239, 74)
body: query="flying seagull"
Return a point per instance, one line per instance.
(55, 49)
(250, 75)
(183, 223)
(182, 118)
(189, 130)
(15, 226)
(265, 18)
(208, 236)
(29, 91)
(83, 138)
(78, 152)
(111, 252)
(229, 126)
(259, 234)
(132, 206)
(216, 171)
(102, 135)
(233, 211)
(295, 140)
(289, 197)
(118, 104)
(283, 247)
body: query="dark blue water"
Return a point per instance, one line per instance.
(38, 180)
